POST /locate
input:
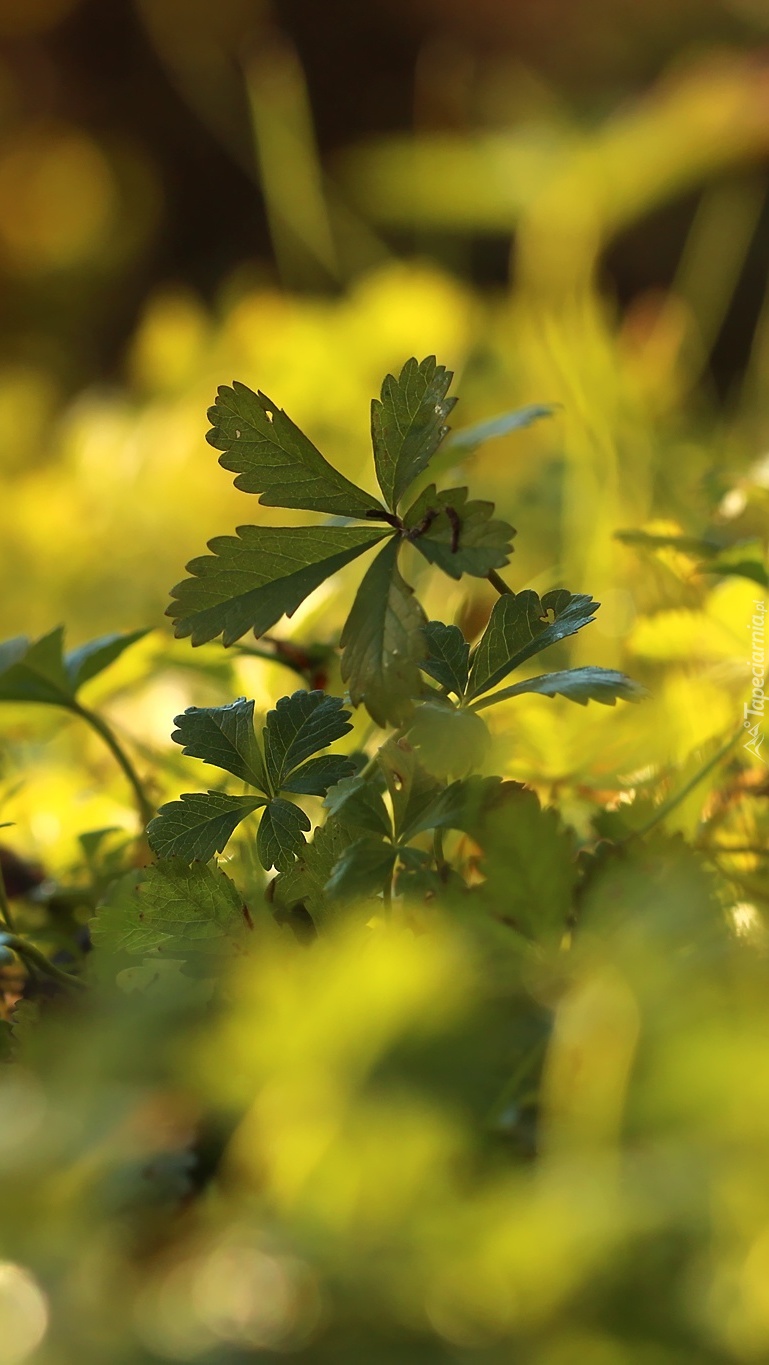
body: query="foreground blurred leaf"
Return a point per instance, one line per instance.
(273, 457)
(383, 642)
(408, 424)
(520, 626)
(259, 575)
(172, 909)
(199, 824)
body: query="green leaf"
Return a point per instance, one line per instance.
(305, 881)
(408, 424)
(457, 535)
(173, 910)
(578, 684)
(273, 457)
(530, 867)
(448, 656)
(450, 741)
(281, 834)
(362, 870)
(35, 671)
(649, 540)
(199, 824)
(463, 805)
(318, 776)
(259, 575)
(412, 788)
(383, 642)
(90, 659)
(469, 438)
(224, 736)
(357, 804)
(522, 625)
(299, 726)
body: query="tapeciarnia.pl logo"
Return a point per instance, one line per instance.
(754, 710)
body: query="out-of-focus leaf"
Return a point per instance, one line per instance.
(408, 424)
(529, 862)
(173, 909)
(468, 439)
(459, 536)
(199, 824)
(40, 671)
(281, 834)
(383, 642)
(463, 805)
(362, 870)
(259, 575)
(448, 656)
(90, 659)
(357, 804)
(224, 736)
(522, 624)
(410, 785)
(298, 727)
(273, 457)
(450, 741)
(578, 684)
(305, 881)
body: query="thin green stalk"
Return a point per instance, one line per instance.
(144, 806)
(685, 791)
(5, 910)
(34, 958)
(498, 583)
(387, 898)
(441, 865)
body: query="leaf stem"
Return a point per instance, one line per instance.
(685, 791)
(441, 865)
(144, 806)
(498, 583)
(35, 958)
(5, 910)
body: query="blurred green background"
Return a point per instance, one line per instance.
(566, 200)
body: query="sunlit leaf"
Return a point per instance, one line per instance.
(259, 575)
(273, 457)
(173, 909)
(582, 685)
(468, 439)
(450, 741)
(408, 424)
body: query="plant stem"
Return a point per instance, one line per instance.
(35, 958)
(441, 866)
(144, 806)
(5, 910)
(685, 791)
(498, 583)
(387, 898)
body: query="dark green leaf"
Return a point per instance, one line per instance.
(521, 625)
(648, 540)
(578, 684)
(259, 575)
(448, 656)
(383, 642)
(459, 536)
(224, 736)
(273, 457)
(318, 776)
(469, 438)
(174, 910)
(357, 804)
(450, 742)
(199, 824)
(408, 424)
(300, 726)
(411, 787)
(281, 834)
(463, 805)
(362, 870)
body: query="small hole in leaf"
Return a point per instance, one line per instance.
(237, 434)
(269, 415)
(397, 782)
